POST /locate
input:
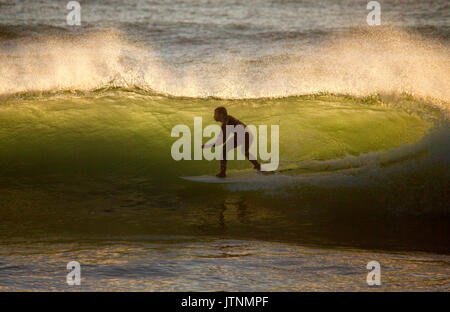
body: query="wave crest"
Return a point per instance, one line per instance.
(359, 63)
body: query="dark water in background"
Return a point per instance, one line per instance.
(85, 166)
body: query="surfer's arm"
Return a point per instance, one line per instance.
(219, 141)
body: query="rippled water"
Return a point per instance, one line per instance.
(189, 264)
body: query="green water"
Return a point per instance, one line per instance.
(98, 164)
(128, 131)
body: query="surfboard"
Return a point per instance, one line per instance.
(232, 178)
(210, 179)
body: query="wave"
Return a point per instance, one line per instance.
(340, 154)
(360, 62)
(360, 110)
(128, 128)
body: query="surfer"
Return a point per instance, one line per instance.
(221, 115)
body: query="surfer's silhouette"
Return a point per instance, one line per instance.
(221, 115)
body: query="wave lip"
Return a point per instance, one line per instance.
(359, 63)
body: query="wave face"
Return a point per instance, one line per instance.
(119, 129)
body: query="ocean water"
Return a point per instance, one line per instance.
(86, 172)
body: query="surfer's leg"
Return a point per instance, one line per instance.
(246, 151)
(223, 162)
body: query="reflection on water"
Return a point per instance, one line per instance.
(233, 209)
(83, 207)
(188, 264)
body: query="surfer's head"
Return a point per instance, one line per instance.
(220, 113)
